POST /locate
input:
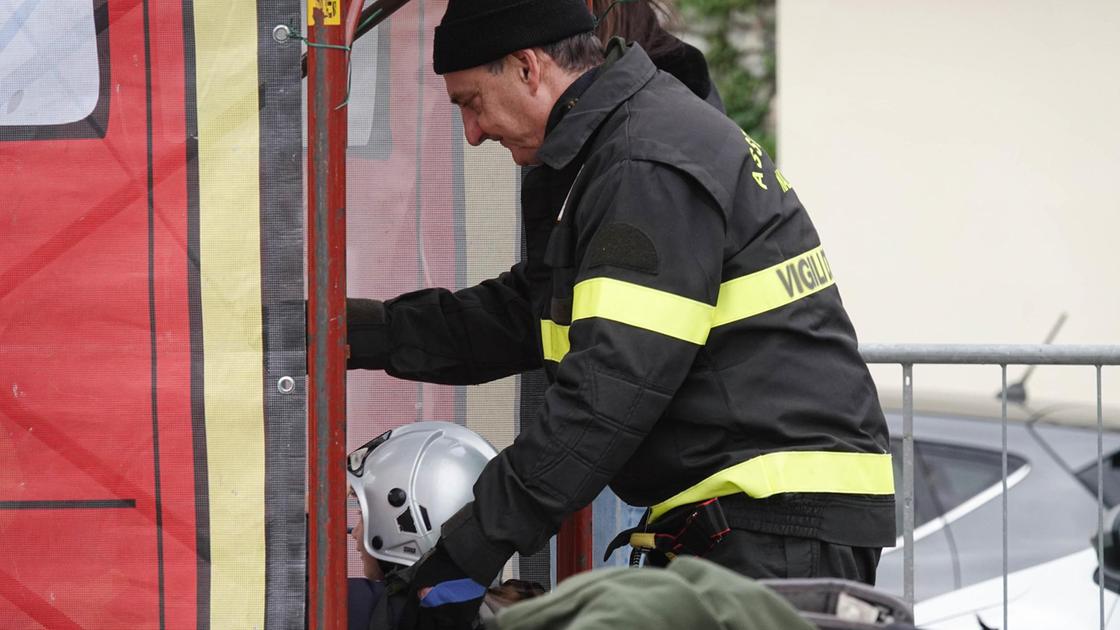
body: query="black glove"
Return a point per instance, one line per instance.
(451, 604)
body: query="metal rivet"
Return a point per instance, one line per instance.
(286, 384)
(282, 33)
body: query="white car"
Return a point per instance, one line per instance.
(1052, 517)
(1056, 594)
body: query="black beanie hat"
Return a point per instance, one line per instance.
(474, 32)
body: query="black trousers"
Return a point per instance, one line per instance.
(760, 556)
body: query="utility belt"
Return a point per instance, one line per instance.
(696, 528)
(689, 529)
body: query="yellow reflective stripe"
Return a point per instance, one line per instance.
(643, 540)
(554, 340)
(643, 307)
(792, 471)
(684, 318)
(781, 284)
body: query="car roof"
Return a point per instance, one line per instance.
(1038, 411)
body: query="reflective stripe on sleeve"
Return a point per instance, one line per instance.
(792, 471)
(554, 340)
(642, 307)
(686, 319)
(766, 290)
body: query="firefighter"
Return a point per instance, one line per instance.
(677, 295)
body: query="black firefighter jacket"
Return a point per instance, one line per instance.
(678, 297)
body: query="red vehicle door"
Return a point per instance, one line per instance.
(132, 485)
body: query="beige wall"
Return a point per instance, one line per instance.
(961, 160)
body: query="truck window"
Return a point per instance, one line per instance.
(53, 66)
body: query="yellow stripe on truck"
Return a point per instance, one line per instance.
(232, 336)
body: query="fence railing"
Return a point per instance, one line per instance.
(909, 355)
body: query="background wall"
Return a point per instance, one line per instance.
(960, 160)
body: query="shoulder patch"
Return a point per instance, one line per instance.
(623, 245)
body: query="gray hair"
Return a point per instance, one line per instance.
(577, 53)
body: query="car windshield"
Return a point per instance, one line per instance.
(1088, 478)
(948, 475)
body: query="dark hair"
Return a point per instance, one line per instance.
(577, 53)
(641, 21)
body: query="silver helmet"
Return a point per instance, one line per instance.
(410, 480)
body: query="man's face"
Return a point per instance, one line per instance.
(507, 106)
(358, 533)
(370, 568)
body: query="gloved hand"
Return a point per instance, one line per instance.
(367, 334)
(442, 597)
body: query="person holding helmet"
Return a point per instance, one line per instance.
(407, 482)
(676, 293)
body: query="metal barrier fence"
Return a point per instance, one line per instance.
(909, 355)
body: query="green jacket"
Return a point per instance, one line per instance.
(690, 593)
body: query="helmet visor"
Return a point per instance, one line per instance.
(356, 460)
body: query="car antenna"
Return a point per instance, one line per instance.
(1017, 392)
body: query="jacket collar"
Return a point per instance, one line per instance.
(688, 65)
(626, 70)
(570, 97)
